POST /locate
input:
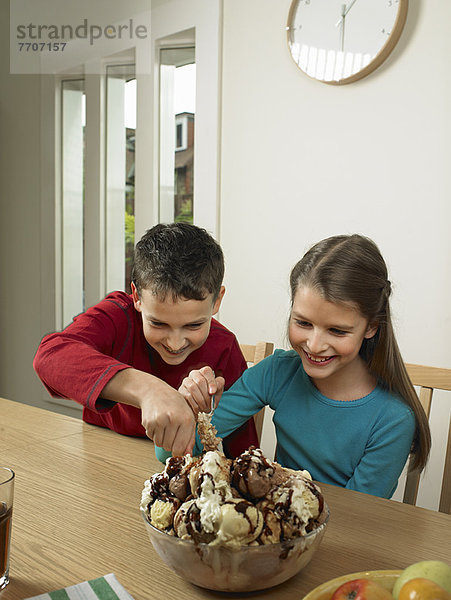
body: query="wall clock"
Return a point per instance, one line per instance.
(340, 42)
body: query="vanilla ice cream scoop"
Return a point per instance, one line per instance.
(272, 530)
(162, 513)
(188, 524)
(297, 503)
(211, 475)
(239, 523)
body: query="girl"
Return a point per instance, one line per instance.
(345, 408)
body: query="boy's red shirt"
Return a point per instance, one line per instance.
(78, 362)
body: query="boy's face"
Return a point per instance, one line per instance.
(175, 328)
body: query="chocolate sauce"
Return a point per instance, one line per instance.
(312, 487)
(174, 466)
(194, 526)
(159, 485)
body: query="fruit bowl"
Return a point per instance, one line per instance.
(245, 569)
(324, 591)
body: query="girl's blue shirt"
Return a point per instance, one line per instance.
(359, 444)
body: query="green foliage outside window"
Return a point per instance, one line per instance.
(129, 236)
(186, 212)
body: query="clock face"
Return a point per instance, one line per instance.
(338, 41)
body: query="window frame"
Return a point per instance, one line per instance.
(165, 23)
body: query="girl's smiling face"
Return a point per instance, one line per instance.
(327, 336)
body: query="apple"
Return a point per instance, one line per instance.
(421, 588)
(361, 589)
(434, 570)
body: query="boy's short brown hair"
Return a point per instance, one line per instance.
(178, 259)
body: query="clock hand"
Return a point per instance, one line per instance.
(341, 22)
(345, 11)
(349, 7)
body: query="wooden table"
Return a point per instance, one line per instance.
(76, 516)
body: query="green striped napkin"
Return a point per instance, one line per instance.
(103, 588)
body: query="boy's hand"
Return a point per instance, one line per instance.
(166, 417)
(199, 387)
(169, 422)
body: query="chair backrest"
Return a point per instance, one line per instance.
(430, 379)
(254, 354)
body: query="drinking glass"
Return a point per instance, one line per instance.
(6, 512)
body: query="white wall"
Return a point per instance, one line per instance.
(20, 274)
(302, 160)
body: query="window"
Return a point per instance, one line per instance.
(119, 197)
(177, 116)
(179, 137)
(120, 175)
(93, 208)
(73, 102)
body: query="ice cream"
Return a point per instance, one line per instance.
(211, 475)
(214, 500)
(235, 526)
(240, 523)
(254, 475)
(164, 492)
(207, 432)
(295, 504)
(248, 501)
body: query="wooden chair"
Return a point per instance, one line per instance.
(430, 379)
(254, 354)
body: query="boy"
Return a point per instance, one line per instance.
(124, 358)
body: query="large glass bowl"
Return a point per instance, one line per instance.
(244, 569)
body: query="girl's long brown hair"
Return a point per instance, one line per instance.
(350, 269)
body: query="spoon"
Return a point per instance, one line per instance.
(212, 409)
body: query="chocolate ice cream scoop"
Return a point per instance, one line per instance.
(253, 475)
(178, 469)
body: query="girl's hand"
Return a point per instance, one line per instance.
(199, 387)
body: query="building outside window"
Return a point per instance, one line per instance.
(177, 117)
